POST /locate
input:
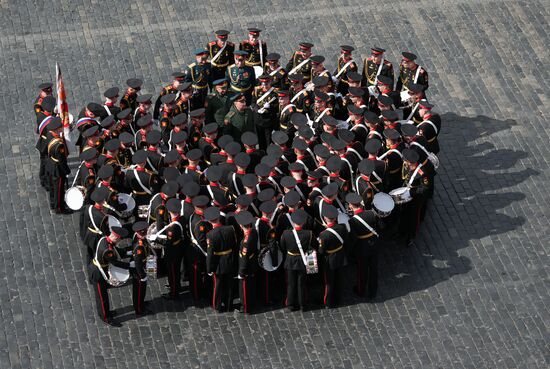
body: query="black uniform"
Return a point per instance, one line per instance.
(57, 171)
(173, 254)
(248, 264)
(364, 248)
(196, 260)
(220, 261)
(332, 248)
(140, 252)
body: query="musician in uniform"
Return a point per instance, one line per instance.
(88, 118)
(140, 252)
(393, 159)
(144, 125)
(430, 126)
(376, 65)
(198, 228)
(248, 260)
(86, 174)
(276, 71)
(111, 97)
(364, 246)
(241, 77)
(300, 62)
(220, 259)
(265, 108)
(294, 243)
(94, 220)
(128, 100)
(300, 97)
(45, 90)
(56, 167)
(218, 102)
(220, 53)
(43, 119)
(172, 88)
(318, 70)
(344, 65)
(141, 181)
(106, 254)
(200, 74)
(256, 48)
(410, 72)
(173, 242)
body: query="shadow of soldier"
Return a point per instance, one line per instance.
(470, 189)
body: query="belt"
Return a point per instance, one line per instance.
(176, 243)
(96, 263)
(200, 87)
(139, 192)
(425, 161)
(249, 256)
(54, 159)
(395, 171)
(94, 230)
(432, 139)
(220, 65)
(335, 250)
(365, 236)
(223, 253)
(240, 89)
(293, 253)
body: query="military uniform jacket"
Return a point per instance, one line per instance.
(406, 77)
(217, 107)
(225, 58)
(305, 70)
(56, 165)
(370, 69)
(166, 90)
(253, 58)
(200, 75)
(363, 240)
(430, 133)
(303, 102)
(265, 111)
(422, 181)
(175, 237)
(332, 247)
(140, 253)
(344, 75)
(128, 101)
(221, 252)
(289, 246)
(42, 121)
(38, 106)
(241, 79)
(86, 177)
(279, 77)
(237, 122)
(148, 179)
(198, 228)
(106, 254)
(284, 119)
(248, 253)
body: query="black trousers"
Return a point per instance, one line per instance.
(411, 213)
(333, 289)
(246, 293)
(295, 288)
(42, 173)
(367, 275)
(102, 299)
(222, 294)
(264, 136)
(173, 266)
(139, 289)
(57, 193)
(196, 273)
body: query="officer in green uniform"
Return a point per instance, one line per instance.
(242, 78)
(218, 102)
(220, 53)
(240, 118)
(200, 74)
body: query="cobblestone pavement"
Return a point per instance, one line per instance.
(472, 294)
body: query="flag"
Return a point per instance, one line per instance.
(62, 107)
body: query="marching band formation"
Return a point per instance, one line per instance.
(246, 174)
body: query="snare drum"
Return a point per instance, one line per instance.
(383, 204)
(151, 266)
(113, 222)
(152, 236)
(118, 276)
(143, 211)
(128, 200)
(401, 195)
(74, 197)
(258, 71)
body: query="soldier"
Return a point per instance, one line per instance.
(88, 118)
(144, 126)
(198, 228)
(276, 71)
(177, 79)
(220, 54)
(430, 126)
(129, 98)
(173, 242)
(239, 119)
(256, 49)
(218, 102)
(45, 90)
(301, 98)
(344, 65)
(418, 178)
(142, 182)
(393, 159)
(144, 104)
(318, 70)
(44, 119)
(265, 107)
(285, 110)
(140, 253)
(86, 173)
(167, 112)
(93, 220)
(296, 243)
(111, 96)
(248, 261)
(56, 168)
(300, 62)
(241, 77)
(364, 246)
(106, 253)
(200, 74)
(220, 260)
(376, 65)
(410, 72)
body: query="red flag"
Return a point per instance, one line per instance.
(62, 107)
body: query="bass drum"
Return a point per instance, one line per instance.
(128, 200)
(401, 195)
(266, 260)
(74, 197)
(383, 204)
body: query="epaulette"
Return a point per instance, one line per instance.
(192, 65)
(229, 115)
(387, 62)
(212, 43)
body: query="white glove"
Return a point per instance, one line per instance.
(132, 264)
(210, 274)
(334, 79)
(144, 279)
(266, 105)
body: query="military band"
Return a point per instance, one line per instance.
(254, 182)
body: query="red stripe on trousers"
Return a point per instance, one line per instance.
(101, 300)
(214, 294)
